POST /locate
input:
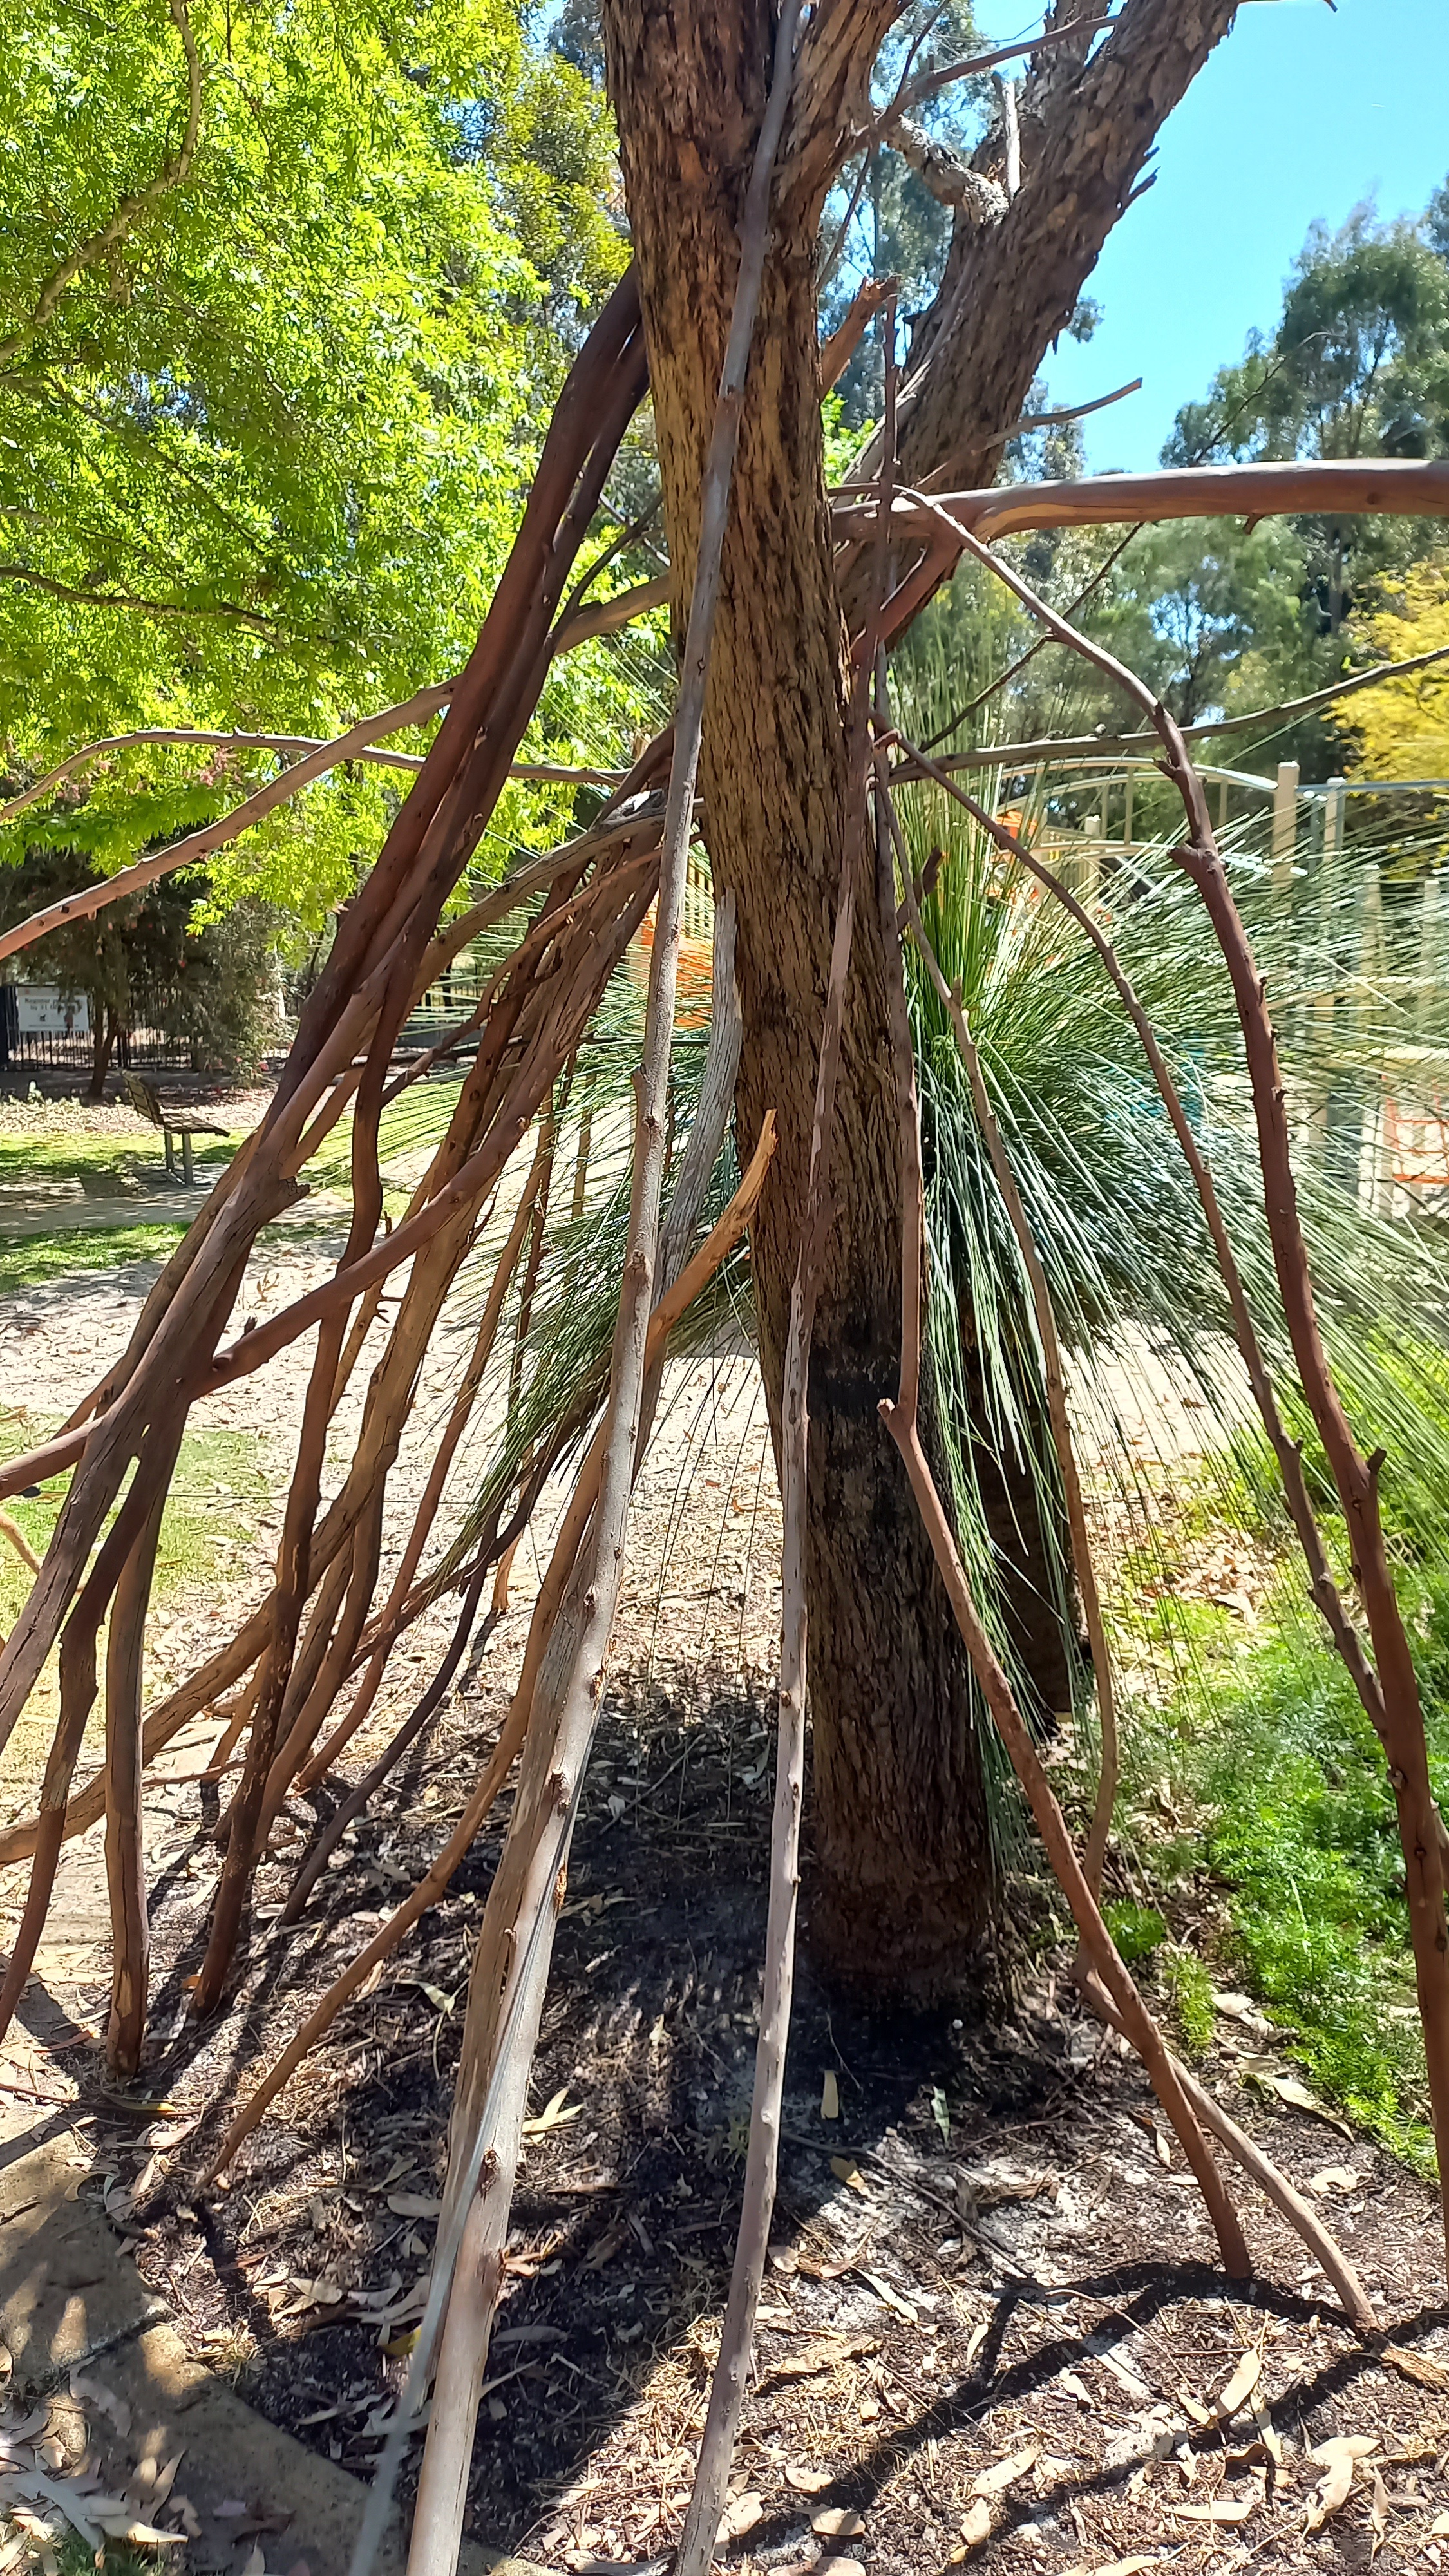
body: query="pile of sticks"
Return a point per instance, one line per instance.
(322, 1637)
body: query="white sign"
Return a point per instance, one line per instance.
(44, 1011)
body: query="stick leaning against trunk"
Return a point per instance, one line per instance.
(1400, 1718)
(731, 2372)
(526, 1889)
(900, 1420)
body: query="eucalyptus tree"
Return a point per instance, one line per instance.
(901, 1827)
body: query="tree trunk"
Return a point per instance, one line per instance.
(103, 1039)
(901, 1845)
(899, 1818)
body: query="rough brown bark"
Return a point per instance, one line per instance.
(899, 1815)
(900, 1819)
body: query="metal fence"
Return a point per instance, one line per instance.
(73, 1051)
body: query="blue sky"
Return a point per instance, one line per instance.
(1301, 112)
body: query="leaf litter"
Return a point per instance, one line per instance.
(1039, 2298)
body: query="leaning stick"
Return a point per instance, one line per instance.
(322, 1760)
(900, 1420)
(732, 2365)
(727, 2392)
(1356, 1478)
(1304, 2220)
(717, 1246)
(1053, 1371)
(442, 2480)
(125, 1839)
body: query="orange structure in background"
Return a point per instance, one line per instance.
(1416, 1144)
(695, 983)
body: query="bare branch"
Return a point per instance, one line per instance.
(1395, 486)
(27, 578)
(608, 615)
(931, 84)
(837, 351)
(542, 772)
(1016, 755)
(1072, 411)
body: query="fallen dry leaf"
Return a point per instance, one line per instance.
(1224, 2509)
(976, 2525)
(607, 2246)
(837, 2522)
(807, 2481)
(829, 2096)
(742, 2515)
(87, 2390)
(1334, 2178)
(413, 2204)
(1338, 2459)
(1439, 2527)
(1379, 2512)
(1241, 2008)
(995, 2481)
(823, 2352)
(553, 2114)
(1241, 2385)
(892, 2298)
(1416, 2366)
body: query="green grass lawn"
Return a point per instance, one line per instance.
(38, 1156)
(29, 1260)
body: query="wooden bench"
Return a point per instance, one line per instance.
(171, 1123)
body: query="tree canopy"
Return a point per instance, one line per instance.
(288, 297)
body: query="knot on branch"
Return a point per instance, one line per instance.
(950, 180)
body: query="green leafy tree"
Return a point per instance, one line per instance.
(155, 962)
(1358, 366)
(287, 296)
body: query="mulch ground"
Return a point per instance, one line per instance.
(992, 2330)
